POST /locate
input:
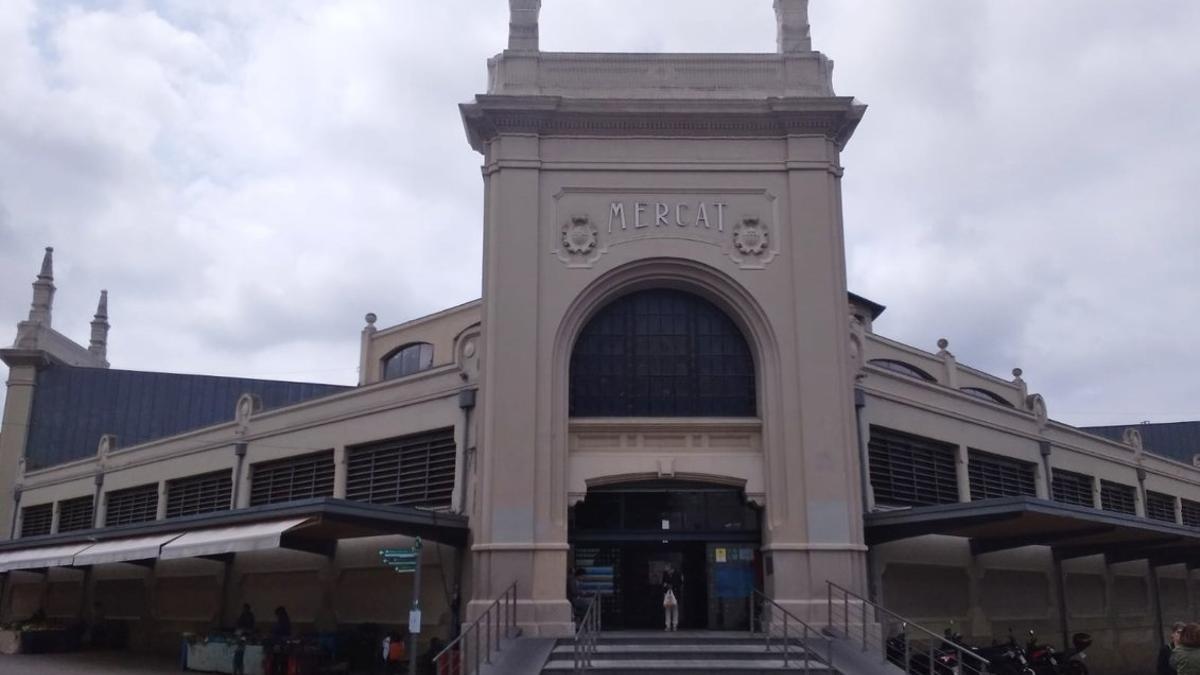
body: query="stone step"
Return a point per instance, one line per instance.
(668, 652)
(678, 666)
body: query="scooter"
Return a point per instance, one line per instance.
(1047, 661)
(1003, 658)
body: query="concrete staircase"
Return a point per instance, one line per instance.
(662, 653)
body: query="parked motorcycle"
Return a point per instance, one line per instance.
(1045, 660)
(1007, 658)
(945, 655)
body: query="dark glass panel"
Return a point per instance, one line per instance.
(408, 360)
(662, 353)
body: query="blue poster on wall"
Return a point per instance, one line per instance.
(734, 581)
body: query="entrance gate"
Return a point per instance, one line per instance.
(623, 537)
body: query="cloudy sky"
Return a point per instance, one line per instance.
(249, 178)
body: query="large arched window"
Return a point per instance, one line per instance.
(661, 353)
(409, 359)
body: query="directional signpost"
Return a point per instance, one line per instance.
(408, 561)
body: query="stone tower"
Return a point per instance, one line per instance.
(717, 174)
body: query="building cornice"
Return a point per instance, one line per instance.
(15, 358)
(834, 118)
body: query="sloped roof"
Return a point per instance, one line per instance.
(73, 407)
(1176, 440)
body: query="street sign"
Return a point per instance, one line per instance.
(403, 560)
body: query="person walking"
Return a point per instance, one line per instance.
(1185, 658)
(672, 588)
(1164, 654)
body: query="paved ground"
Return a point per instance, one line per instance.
(98, 663)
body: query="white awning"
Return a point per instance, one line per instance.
(46, 556)
(124, 550)
(233, 539)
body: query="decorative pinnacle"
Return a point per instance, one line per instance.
(1017, 373)
(523, 25)
(371, 318)
(791, 20)
(47, 272)
(102, 306)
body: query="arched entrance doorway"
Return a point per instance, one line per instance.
(624, 535)
(651, 359)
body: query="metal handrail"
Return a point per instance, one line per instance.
(587, 635)
(793, 627)
(980, 663)
(460, 653)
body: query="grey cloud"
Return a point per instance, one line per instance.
(249, 178)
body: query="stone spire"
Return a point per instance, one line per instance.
(523, 25)
(43, 291)
(791, 18)
(99, 344)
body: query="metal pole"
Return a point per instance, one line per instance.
(416, 609)
(487, 636)
(864, 624)
(931, 657)
(846, 611)
(907, 650)
(829, 587)
(786, 640)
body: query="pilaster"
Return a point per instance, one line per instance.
(23, 366)
(963, 473)
(339, 472)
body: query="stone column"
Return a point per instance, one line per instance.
(963, 474)
(244, 483)
(792, 29)
(14, 427)
(1045, 488)
(339, 472)
(523, 25)
(1140, 504)
(161, 514)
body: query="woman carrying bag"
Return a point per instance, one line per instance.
(672, 584)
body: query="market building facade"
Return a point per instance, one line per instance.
(666, 367)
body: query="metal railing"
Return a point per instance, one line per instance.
(586, 636)
(798, 640)
(863, 622)
(464, 655)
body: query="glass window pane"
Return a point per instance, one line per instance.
(662, 353)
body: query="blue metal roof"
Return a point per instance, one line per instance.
(1176, 440)
(73, 407)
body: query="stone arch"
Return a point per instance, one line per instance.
(674, 273)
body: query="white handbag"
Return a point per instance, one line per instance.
(669, 599)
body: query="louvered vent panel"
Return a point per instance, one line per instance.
(1160, 506)
(36, 520)
(132, 505)
(910, 470)
(292, 479)
(995, 476)
(1191, 512)
(412, 471)
(75, 514)
(1072, 488)
(1117, 497)
(194, 495)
